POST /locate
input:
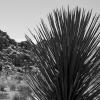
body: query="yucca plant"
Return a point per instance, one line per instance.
(68, 57)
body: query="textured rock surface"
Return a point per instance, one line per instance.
(14, 58)
(13, 53)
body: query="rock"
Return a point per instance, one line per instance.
(13, 53)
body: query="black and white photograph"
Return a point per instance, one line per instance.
(49, 49)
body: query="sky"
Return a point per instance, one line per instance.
(16, 16)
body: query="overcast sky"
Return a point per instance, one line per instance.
(16, 16)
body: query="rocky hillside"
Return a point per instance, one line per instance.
(15, 58)
(14, 54)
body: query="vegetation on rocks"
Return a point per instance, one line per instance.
(15, 59)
